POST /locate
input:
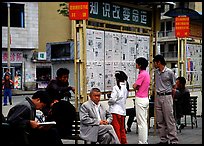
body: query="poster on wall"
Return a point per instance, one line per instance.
(95, 45)
(110, 51)
(128, 47)
(17, 82)
(112, 58)
(95, 59)
(95, 75)
(194, 64)
(109, 76)
(142, 47)
(129, 54)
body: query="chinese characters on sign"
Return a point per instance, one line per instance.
(15, 57)
(117, 13)
(78, 10)
(182, 26)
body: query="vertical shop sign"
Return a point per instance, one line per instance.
(78, 10)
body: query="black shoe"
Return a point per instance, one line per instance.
(5, 104)
(10, 103)
(128, 130)
(163, 142)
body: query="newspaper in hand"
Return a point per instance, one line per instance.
(47, 123)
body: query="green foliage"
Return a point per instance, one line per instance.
(63, 10)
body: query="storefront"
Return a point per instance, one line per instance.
(16, 67)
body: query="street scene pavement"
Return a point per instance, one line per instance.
(186, 136)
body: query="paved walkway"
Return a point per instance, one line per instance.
(186, 136)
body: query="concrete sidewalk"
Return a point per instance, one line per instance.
(186, 136)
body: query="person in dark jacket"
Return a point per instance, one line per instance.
(61, 111)
(25, 129)
(181, 101)
(59, 87)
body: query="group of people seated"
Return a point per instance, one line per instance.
(95, 119)
(25, 129)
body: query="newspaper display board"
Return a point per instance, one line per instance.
(109, 51)
(95, 59)
(194, 64)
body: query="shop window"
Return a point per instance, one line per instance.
(16, 15)
(43, 73)
(60, 51)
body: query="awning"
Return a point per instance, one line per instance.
(192, 14)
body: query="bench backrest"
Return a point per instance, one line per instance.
(193, 103)
(76, 125)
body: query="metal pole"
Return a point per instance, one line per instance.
(182, 53)
(154, 34)
(75, 64)
(184, 56)
(85, 60)
(9, 41)
(156, 43)
(82, 39)
(179, 74)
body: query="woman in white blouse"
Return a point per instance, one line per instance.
(117, 105)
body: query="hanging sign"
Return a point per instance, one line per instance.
(78, 10)
(119, 13)
(182, 26)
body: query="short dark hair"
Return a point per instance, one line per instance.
(62, 71)
(182, 80)
(94, 90)
(43, 96)
(6, 75)
(142, 62)
(160, 58)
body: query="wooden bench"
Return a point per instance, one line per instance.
(75, 131)
(6, 128)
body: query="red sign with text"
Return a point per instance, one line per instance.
(78, 10)
(182, 26)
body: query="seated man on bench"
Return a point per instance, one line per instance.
(95, 121)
